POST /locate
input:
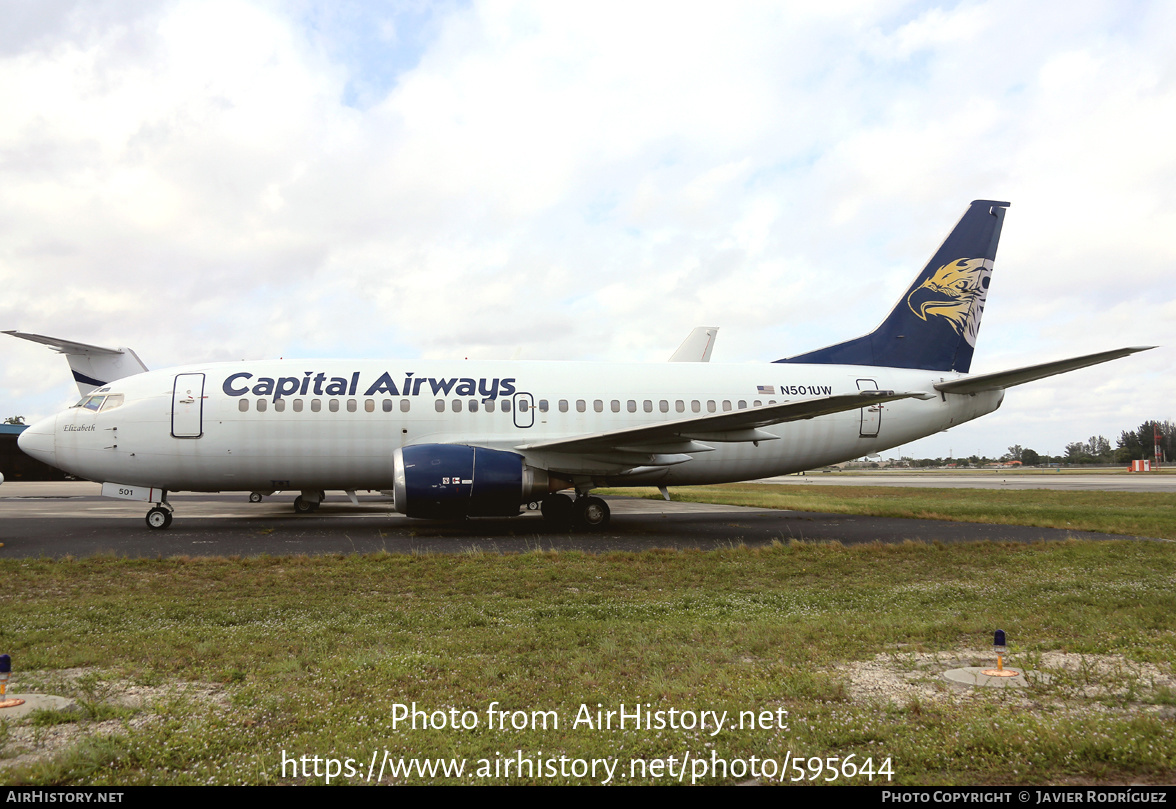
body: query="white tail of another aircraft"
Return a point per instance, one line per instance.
(92, 366)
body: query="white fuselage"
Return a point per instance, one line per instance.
(334, 424)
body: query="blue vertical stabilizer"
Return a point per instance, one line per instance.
(934, 325)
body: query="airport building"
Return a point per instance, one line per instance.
(15, 465)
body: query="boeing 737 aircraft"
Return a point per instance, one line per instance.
(464, 439)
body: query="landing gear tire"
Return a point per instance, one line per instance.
(558, 511)
(591, 514)
(255, 497)
(159, 518)
(304, 506)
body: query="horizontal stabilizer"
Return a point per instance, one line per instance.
(92, 366)
(1019, 376)
(63, 346)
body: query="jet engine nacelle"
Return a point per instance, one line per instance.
(446, 481)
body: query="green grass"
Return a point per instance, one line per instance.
(310, 655)
(1110, 469)
(1147, 514)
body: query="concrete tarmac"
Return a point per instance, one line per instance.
(1063, 481)
(73, 519)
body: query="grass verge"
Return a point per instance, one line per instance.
(299, 656)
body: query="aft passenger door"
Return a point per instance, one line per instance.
(872, 415)
(188, 406)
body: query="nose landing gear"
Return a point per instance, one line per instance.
(160, 517)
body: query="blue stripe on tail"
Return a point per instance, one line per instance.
(934, 325)
(87, 380)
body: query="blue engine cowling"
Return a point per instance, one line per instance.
(453, 481)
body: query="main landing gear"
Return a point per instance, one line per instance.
(160, 517)
(308, 501)
(585, 513)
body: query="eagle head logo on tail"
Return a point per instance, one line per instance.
(956, 293)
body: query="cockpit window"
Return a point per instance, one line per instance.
(92, 402)
(112, 401)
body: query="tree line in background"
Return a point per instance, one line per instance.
(1133, 445)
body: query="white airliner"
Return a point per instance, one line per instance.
(463, 439)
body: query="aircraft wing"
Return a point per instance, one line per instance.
(673, 442)
(1019, 376)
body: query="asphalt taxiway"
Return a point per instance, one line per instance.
(72, 519)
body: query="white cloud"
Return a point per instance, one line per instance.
(550, 180)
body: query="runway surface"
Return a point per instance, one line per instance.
(60, 519)
(1063, 481)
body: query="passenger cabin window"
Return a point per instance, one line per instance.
(663, 406)
(742, 404)
(369, 405)
(615, 404)
(523, 405)
(473, 405)
(505, 405)
(631, 405)
(350, 405)
(581, 405)
(404, 405)
(563, 405)
(439, 405)
(297, 405)
(710, 405)
(243, 405)
(280, 406)
(598, 405)
(315, 405)
(457, 405)
(726, 405)
(680, 406)
(695, 406)
(333, 405)
(261, 405)
(756, 403)
(489, 405)
(386, 405)
(542, 405)
(647, 406)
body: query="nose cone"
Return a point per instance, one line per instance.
(37, 441)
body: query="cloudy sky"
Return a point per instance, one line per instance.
(225, 179)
